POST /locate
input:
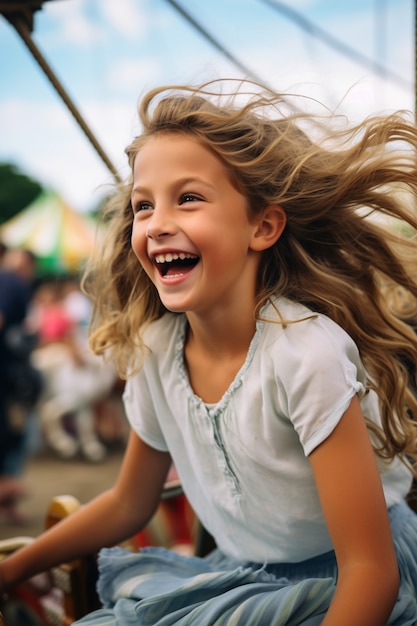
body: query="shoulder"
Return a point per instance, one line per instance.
(158, 346)
(161, 333)
(163, 341)
(316, 368)
(298, 323)
(304, 340)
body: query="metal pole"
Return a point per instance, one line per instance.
(22, 29)
(415, 58)
(214, 42)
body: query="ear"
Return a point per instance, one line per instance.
(268, 228)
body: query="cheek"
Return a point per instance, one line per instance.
(139, 242)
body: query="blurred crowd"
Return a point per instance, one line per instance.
(54, 392)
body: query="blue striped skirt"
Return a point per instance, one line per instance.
(157, 587)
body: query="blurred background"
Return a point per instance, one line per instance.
(72, 72)
(357, 57)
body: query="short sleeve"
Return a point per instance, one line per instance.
(321, 372)
(141, 413)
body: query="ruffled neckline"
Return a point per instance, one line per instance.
(217, 407)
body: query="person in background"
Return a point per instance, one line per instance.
(20, 383)
(76, 304)
(238, 289)
(109, 418)
(74, 378)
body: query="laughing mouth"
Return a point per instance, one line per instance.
(172, 264)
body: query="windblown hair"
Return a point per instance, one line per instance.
(349, 194)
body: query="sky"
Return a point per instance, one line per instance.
(356, 57)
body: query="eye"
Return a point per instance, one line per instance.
(142, 205)
(189, 197)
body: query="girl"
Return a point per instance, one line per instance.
(240, 291)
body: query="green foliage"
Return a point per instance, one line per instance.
(17, 191)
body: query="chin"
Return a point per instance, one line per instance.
(173, 308)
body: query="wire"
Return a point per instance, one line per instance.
(228, 55)
(23, 29)
(315, 31)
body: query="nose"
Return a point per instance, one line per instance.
(160, 224)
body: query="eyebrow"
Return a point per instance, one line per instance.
(188, 180)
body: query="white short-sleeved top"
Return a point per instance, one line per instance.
(244, 462)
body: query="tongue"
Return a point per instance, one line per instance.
(174, 270)
(182, 266)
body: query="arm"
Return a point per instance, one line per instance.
(110, 518)
(354, 506)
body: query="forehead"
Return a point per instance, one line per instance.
(175, 151)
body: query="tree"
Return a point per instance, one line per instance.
(17, 191)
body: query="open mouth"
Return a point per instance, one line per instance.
(175, 264)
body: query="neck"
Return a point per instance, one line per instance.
(223, 334)
(215, 350)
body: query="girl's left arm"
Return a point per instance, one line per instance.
(353, 503)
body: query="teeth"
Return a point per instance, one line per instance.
(173, 256)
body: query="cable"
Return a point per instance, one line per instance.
(243, 68)
(23, 30)
(315, 31)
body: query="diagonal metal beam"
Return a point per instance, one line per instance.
(24, 9)
(20, 15)
(214, 42)
(340, 46)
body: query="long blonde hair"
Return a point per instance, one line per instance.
(340, 188)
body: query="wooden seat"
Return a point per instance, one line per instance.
(67, 592)
(56, 598)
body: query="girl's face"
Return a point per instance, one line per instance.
(191, 230)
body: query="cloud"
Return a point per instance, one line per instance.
(118, 49)
(46, 143)
(128, 17)
(73, 26)
(128, 73)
